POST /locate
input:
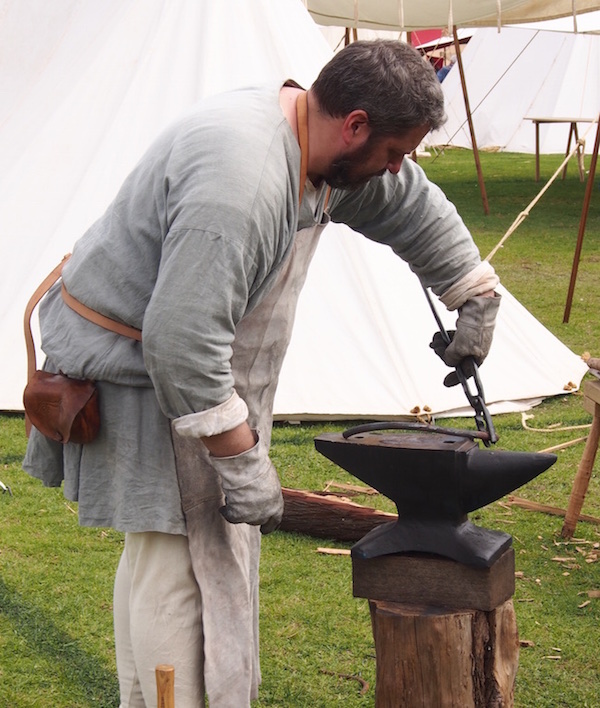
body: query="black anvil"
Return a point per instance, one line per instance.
(435, 480)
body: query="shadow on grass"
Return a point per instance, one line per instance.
(76, 668)
(11, 458)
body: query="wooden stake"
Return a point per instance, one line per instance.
(486, 208)
(165, 686)
(582, 223)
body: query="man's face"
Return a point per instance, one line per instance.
(354, 167)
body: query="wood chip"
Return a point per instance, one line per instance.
(526, 643)
(554, 658)
(593, 593)
(334, 551)
(584, 604)
(350, 488)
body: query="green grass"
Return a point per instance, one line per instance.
(56, 646)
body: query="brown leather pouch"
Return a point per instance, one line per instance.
(61, 408)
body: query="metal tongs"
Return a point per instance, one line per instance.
(483, 419)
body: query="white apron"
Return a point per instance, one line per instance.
(225, 556)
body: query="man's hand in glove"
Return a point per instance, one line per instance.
(472, 337)
(251, 487)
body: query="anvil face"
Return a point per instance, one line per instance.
(434, 480)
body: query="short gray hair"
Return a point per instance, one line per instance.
(388, 79)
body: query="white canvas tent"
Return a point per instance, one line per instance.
(416, 14)
(88, 85)
(517, 74)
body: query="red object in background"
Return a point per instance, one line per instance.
(418, 37)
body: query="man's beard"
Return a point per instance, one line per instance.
(344, 171)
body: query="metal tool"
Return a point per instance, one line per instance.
(483, 419)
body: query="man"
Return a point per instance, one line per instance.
(205, 249)
(443, 72)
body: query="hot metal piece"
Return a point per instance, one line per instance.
(435, 480)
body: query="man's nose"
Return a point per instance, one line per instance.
(394, 166)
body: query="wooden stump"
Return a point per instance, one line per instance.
(435, 657)
(442, 654)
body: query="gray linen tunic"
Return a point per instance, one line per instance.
(194, 240)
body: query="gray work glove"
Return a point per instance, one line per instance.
(251, 487)
(472, 339)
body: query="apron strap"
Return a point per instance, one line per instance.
(302, 116)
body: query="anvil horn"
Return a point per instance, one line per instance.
(491, 474)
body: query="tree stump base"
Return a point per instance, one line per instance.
(432, 654)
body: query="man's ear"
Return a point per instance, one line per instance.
(356, 128)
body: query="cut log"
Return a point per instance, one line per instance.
(327, 516)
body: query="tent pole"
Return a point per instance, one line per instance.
(486, 208)
(582, 222)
